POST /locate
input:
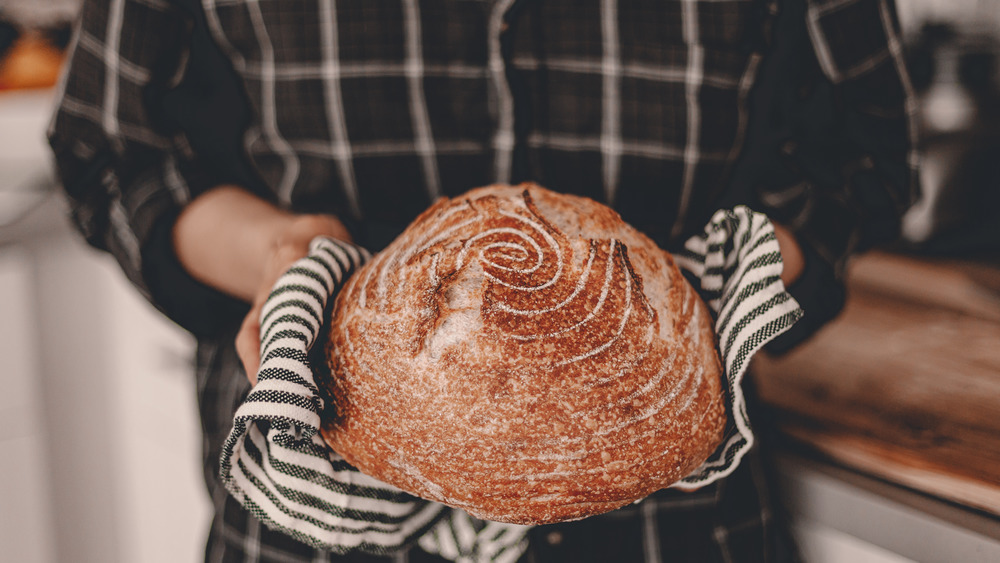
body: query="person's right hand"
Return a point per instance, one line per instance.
(240, 244)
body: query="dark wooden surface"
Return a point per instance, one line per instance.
(905, 384)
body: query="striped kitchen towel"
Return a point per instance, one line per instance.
(276, 463)
(736, 265)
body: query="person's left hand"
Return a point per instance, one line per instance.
(791, 254)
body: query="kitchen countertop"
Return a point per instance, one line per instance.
(904, 386)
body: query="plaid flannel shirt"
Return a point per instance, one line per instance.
(369, 110)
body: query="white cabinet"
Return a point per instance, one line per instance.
(100, 423)
(25, 507)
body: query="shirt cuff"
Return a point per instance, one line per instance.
(820, 293)
(202, 310)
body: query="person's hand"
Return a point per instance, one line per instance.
(791, 254)
(288, 247)
(231, 240)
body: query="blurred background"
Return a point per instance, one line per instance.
(99, 428)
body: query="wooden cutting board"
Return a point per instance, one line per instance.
(905, 384)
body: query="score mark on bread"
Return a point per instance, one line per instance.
(526, 356)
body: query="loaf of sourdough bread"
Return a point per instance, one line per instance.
(525, 356)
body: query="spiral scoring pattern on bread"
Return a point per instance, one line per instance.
(505, 356)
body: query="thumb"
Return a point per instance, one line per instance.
(248, 344)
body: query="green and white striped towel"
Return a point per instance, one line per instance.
(276, 463)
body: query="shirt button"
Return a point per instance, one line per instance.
(554, 538)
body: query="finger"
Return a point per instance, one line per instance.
(248, 338)
(248, 344)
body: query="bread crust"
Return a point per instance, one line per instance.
(525, 356)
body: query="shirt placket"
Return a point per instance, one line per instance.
(505, 146)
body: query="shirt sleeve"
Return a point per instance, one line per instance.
(831, 142)
(125, 169)
(872, 178)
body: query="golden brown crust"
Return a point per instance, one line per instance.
(525, 356)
